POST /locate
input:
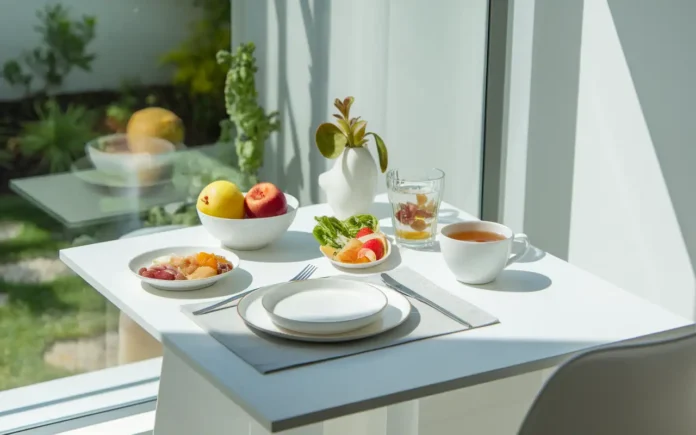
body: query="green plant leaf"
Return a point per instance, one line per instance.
(341, 108)
(344, 127)
(347, 102)
(330, 140)
(381, 151)
(358, 131)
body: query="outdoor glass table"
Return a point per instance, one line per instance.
(476, 381)
(76, 203)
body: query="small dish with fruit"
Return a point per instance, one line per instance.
(246, 221)
(184, 267)
(355, 243)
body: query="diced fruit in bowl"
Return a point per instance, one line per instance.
(355, 241)
(273, 213)
(265, 200)
(363, 232)
(199, 266)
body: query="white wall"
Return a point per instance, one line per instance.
(633, 207)
(610, 155)
(416, 71)
(131, 35)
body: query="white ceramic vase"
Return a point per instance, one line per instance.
(351, 183)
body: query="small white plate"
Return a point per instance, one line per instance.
(255, 316)
(362, 265)
(145, 260)
(324, 306)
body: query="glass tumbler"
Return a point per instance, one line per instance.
(415, 196)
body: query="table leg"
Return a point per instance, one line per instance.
(188, 404)
(134, 343)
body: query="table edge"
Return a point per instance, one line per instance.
(296, 421)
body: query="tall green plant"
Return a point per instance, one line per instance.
(64, 47)
(58, 137)
(253, 125)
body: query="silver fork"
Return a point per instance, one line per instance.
(303, 275)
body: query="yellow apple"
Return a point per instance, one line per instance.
(221, 199)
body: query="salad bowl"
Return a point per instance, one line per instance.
(354, 243)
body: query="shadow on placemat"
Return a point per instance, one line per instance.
(240, 280)
(399, 332)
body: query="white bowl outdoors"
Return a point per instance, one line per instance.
(129, 163)
(324, 306)
(145, 260)
(250, 234)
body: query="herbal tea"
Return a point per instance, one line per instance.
(476, 236)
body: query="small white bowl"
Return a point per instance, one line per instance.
(127, 162)
(145, 260)
(324, 306)
(250, 234)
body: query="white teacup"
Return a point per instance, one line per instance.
(480, 262)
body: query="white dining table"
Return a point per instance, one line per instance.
(476, 381)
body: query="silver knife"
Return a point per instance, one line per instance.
(396, 285)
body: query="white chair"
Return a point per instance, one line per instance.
(643, 389)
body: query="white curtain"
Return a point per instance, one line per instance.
(416, 69)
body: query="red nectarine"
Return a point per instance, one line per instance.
(265, 200)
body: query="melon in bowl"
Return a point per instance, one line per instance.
(114, 155)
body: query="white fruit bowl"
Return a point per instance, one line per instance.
(250, 234)
(128, 163)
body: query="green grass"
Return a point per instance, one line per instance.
(37, 315)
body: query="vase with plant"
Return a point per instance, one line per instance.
(351, 184)
(252, 124)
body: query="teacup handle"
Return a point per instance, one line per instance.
(522, 238)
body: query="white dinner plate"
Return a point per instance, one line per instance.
(362, 265)
(255, 316)
(145, 260)
(324, 306)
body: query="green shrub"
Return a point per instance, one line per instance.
(58, 137)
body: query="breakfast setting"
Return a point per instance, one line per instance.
(357, 289)
(285, 305)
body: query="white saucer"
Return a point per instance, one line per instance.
(255, 315)
(362, 265)
(145, 260)
(324, 306)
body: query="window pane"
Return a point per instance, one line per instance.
(110, 114)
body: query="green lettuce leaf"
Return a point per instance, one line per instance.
(355, 223)
(330, 231)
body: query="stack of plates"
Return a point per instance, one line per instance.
(324, 310)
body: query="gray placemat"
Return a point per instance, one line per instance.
(269, 354)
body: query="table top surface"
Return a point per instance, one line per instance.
(548, 310)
